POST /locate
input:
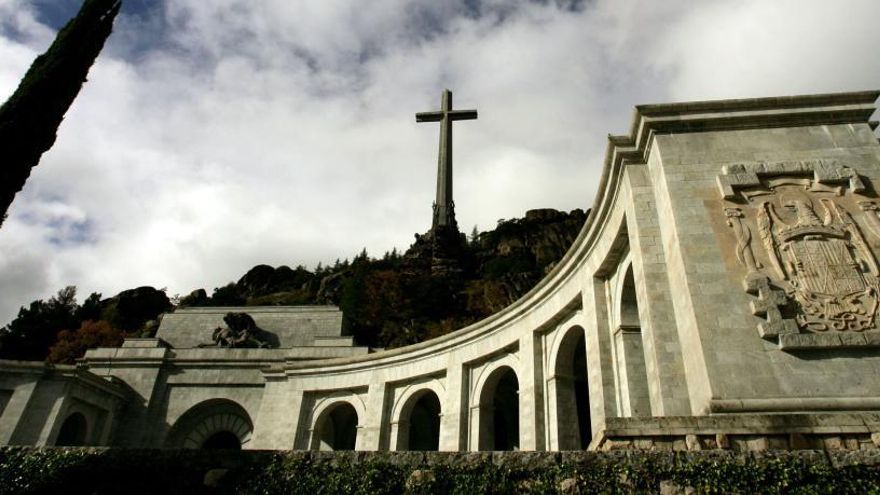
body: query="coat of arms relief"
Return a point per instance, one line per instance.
(804, 234)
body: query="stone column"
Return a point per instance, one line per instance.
(454, 412)
(57, 395)
(399, 432)
(275, 428)
(479, 434)
(563, 436)
(553, 426)
(600, 364)
(664, 365)
(15, 409)
(631, 370)
(531, 394)
(369, 435)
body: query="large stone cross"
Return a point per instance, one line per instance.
(444, 207)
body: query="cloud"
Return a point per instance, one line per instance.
(755, 48)
(213, 136)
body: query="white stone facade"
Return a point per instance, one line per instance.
(722, 294)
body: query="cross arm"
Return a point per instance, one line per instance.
(429, 116)
(463, 115)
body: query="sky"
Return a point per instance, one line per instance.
(216, 135)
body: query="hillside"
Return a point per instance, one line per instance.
(388, 302)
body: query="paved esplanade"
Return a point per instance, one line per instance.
(444, 206)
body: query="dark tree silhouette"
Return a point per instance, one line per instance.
(30, 118)
(29, 336)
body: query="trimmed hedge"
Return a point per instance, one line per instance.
(107, 471)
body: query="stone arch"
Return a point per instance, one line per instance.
(417, 418)
(631, 373)
(627, 301)
(498, 409)
(212, 424)
(73, 432)
(570, 391)
(336, 425)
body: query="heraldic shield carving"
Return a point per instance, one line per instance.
(809, 262)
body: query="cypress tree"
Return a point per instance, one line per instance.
(29, 120)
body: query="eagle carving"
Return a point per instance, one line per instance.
(809, 261)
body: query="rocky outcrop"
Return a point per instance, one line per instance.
(131, 309)
(263, 279)
(330, 288)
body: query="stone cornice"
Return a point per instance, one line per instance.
(81, 376)
(750, 113)
(113, 386)
(259, 309)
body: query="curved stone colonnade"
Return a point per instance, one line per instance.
(643, 330)
(549, 368)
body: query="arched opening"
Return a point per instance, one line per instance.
(420, 429)
(582, 392)
(336, 429)
(632, 377)
(572, 392)
(213, 424)
(73, 431)
(506, 413)
(222, 440)
(499, 411)
(629, 304)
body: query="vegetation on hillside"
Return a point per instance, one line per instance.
(60, 330)
(388, 302)
(397, 299)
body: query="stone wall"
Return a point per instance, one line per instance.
(295, 326)
(37, 399)
(841, 432)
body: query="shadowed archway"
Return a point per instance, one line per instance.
(631, 375)
(572, 392)
(419, 423)
(336, 428)
(499, 411)
(73, 431)
(212, 424)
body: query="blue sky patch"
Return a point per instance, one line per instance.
(56, 13)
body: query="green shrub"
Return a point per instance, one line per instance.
(102, 471)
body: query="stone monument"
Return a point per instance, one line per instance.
(724, 294)
(446, 240)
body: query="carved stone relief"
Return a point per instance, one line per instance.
(808, 262)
